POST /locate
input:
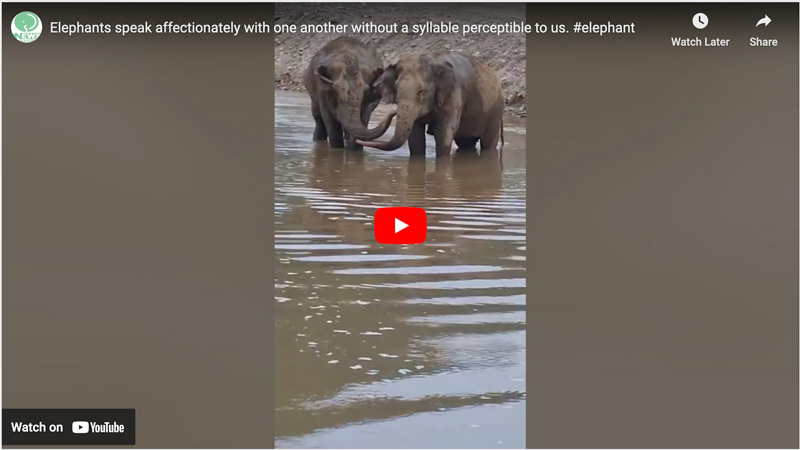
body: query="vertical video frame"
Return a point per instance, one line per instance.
(409, 346)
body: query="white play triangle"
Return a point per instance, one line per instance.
(399, 225)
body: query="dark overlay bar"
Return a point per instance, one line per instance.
(69, 426)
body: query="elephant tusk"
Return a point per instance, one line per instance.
(370, 143)
(379, 145)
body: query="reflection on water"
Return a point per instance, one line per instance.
(382, 346)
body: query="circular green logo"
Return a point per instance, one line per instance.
(26, 27)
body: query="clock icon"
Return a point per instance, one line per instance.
(700, 21)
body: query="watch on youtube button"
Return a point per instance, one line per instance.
(401, 225)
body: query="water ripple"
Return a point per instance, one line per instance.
(374, 339)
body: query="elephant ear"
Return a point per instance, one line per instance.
(445, 82)
(323, 73)
(385, 84)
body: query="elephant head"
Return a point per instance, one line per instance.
(420, 86)
(26, 21)
(348, 87)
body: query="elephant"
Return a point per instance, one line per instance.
(458, 98)
(339, 81)
(26, 22)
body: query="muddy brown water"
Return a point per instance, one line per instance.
(382, 346)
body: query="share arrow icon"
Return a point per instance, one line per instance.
(766, 20)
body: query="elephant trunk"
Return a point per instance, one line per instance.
(407, 115)
(351, 119)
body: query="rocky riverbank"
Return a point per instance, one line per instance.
(505, 53)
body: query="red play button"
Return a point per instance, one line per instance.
(400, 225)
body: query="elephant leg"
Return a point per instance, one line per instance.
(444, 132)
(320, 134)
(416, 140)
(333, 127)
(466, 144)
(489, 141)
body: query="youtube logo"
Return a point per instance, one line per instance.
(401, 225)
(80, 427)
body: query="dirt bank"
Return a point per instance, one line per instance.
(505, 53)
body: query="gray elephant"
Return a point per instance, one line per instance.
(339, 81)
(456, 96)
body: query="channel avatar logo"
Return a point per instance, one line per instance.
(26, 27)
(401, 225)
